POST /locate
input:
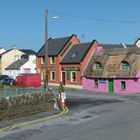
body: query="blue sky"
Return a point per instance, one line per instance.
(107, 21)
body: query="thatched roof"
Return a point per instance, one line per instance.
(111, 61)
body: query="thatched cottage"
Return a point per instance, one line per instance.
(114, 70)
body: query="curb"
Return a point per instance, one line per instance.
(14, 126)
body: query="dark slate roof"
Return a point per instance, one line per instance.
(77, 53)
(109, 46)
(136, 41)
(17, 64)
(55, 46)
(28, 51)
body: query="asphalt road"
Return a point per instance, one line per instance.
(90, 117)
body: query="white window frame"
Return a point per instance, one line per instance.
(51, 74)
(72, 76)
(27, 70)
(42, 60)
(52, 60)
(39, 71)
(61, 75)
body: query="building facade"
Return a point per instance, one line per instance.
(8, 58)
(114, 71)
(57, 49)
(68, 63)
(25, 65)
(74, 63)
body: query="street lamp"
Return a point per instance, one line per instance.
(55, 17)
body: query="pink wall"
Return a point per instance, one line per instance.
(132, 86)
(88, 84)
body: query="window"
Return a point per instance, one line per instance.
(98, 66)
(52, 60)
(17, 57)
(38, 71)
(73, 76)
(42, 60)
(73, 55)
(125, 66)
(96, 83)
(68, 75)
(123, 85)
(52, 76)
(27, 70)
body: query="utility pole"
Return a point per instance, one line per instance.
(46, 51)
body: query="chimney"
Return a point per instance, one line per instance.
(14, 47)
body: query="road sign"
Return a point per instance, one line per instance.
(63, 96)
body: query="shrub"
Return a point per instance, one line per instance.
(1, 86)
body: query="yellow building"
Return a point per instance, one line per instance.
(8, 58)
(137, 43)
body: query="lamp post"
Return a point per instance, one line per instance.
(46, 51)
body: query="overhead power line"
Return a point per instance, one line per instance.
(97, 18)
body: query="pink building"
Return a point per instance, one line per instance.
(114, 71)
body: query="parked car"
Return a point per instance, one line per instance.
(6, 80)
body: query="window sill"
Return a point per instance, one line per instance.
(122, 89)
(95, 87)
(53, 80)
(73, 82)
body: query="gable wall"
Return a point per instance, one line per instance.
(8, 58)
(132, 86)
(88, 56)
(30, 64)
(138, 43)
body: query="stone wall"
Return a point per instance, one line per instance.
(25, 104)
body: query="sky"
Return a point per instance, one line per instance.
(22, 22)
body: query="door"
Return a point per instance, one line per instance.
(110, 85)
(63, 77)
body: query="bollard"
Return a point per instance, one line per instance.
(62, 103)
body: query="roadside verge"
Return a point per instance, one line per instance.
(21, 124)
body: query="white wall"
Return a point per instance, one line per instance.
(137, 43)
(12, 73)
(31, 64)
(9, 57)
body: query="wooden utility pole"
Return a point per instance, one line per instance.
(46, 51)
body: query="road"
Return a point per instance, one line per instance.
(90, 117)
